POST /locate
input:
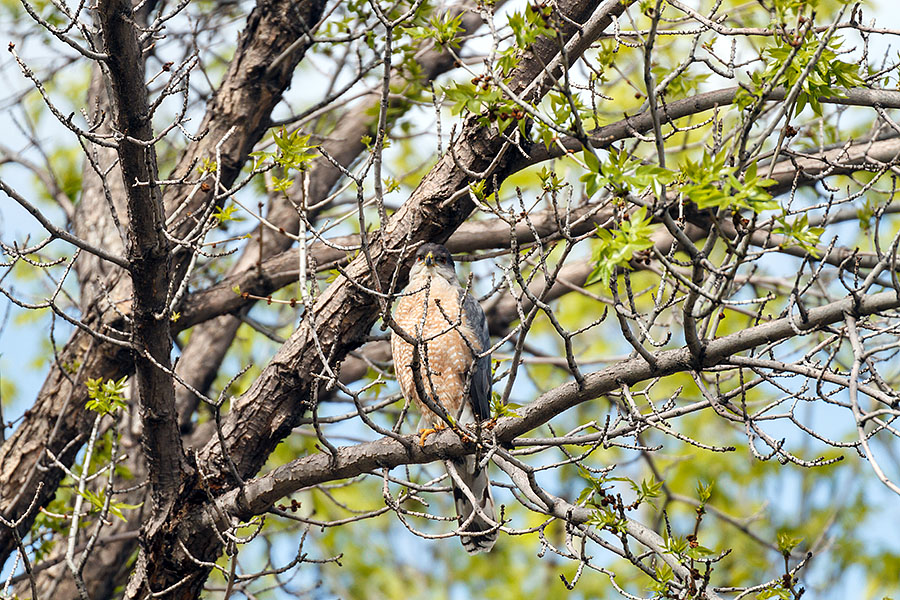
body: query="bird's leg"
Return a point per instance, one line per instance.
(424, 433)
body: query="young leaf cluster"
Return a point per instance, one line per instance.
(622, 174)
(442, 29)
(106, 397)
(500, 409)
(294, 153)
(801, 233)
(98, 501)
(711, 183)
(828, 76)
(614, 248)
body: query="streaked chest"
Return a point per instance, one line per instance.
(432, 311)
(433, 315)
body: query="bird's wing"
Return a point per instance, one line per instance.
(480, 392)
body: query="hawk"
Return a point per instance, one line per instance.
(453, 370)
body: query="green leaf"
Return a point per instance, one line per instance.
(786, 542)
(477, 189)
(710, 183)
(664, 574)
(828, 75)
(225, 214)
(614, 249)
(105, 397)
(697, 552)
(550, 182)
(499, 409)
(442, 29)
(606, 518)
(591, 160)
(801, 233)
(116, 508)
(704, 491)
(647, 489)
(98, 500)
(677, 545)
(207, 165)
(775, 592)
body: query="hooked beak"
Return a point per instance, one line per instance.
(429, 259)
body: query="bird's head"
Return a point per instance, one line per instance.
(434, 260)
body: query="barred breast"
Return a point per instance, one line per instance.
(447, 355)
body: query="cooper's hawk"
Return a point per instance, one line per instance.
(451, 333)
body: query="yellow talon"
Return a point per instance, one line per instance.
(424, 433)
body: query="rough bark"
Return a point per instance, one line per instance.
(281, 269)
(269, 410)
(239, 114)
(203, 354)
(58, 416)
(259, 494)
(245, 100)
(148, 248)
(51, 425)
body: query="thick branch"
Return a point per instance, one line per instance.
(242, 106)
(642, 122)
(148, 251)
(202, 356)
(281, 269)
(268, 411)
(261, 493)
(240, 112)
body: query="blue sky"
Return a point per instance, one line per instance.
(22, 344)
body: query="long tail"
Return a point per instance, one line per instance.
(466, 472)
